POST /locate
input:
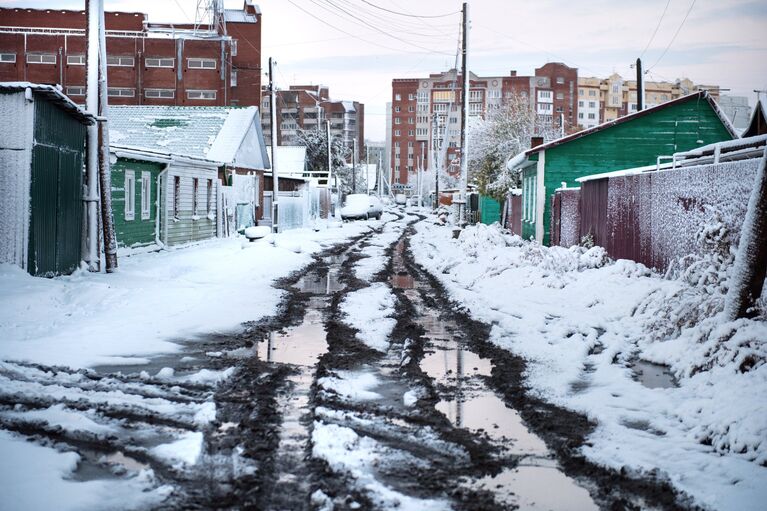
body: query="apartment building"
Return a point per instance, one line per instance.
(426, 114)
(306, 107)
(148, 63)
(605, 99)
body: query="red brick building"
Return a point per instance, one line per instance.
(148, 64)
(418, 103)
(305, 107)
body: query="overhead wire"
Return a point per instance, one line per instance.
(692, 4)
(655, 32)
(423, 16)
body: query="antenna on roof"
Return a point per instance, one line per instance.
(210, 13)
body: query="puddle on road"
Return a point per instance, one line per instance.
(317, 284)
(472, 405)
(653, 376)
(299, 345)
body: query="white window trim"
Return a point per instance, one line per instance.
(201, 62)
(148, 93)
(200, 94)
(130, 195)
(75, 60)
(41, 55)
(146, 195)
(80, 90)
(119, 61)
(4, 58)
(159, 62)
(120, 92)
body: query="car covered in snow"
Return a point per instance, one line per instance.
(361, 206)
(400, 199)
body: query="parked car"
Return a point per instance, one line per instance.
(359, 205)
(400, 199)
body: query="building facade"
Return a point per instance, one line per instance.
(426, 112)
(307, 107)
(148, 63)
(606, 99)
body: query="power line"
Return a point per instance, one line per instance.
(675, 34)
(371, 4)
(656, 28)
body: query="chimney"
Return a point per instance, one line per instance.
(535, 141)
(513, 72)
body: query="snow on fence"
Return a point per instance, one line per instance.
(655, 217)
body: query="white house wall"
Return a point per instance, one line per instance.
(187, 227)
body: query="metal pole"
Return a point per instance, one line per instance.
(275, 178)
(640, 86)
(91, 255)
(464, 118)
(354, 165)
(436, 164)
(105, 173)
(330, 167)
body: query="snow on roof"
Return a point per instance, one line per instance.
(726, 146)
(348, 106)
(624, 172)
(213, 133)
(238, 16)
(759, 111)
(53, 94)
(703, 94)
(290, 160)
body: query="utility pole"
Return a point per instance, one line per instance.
(640, 86)
(91, 252)
(464, 118)
(434, 159)
(354, 165)
(105, 173)
(420, 178)
(273, 131)
(330, 166)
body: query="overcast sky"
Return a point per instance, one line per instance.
(358, 54)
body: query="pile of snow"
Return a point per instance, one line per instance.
(374, 259)
(351, 385)
(369, 311)
(581, 321)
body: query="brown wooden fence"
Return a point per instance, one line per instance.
(655, 217)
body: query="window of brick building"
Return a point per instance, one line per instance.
(7, 58)
(560, 79)
(41, 58)
(160, 93)
(159, 62)
(201, 94)
(201, 63)
(120, 61)
(120, 92)
(560, 95)
(76, 90)
(75, 60)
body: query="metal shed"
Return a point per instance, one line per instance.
(42, 144)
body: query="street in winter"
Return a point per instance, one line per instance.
(349, 254)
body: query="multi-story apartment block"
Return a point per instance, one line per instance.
(304, 107)
(605, 99)
(426, 112)
(148, 63)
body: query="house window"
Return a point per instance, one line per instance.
(209, 201)
(233, 78)
(130, 195)
(410, 133)
(76, 91)
(580, 92)
(580, 104)
(201, 94)
(560, 79)
(120, 61)
(160, 93)
(176, 197)
(8, 58)
(41, 58)
(146, 195)
(615, 88)
(410, 120)
(410, 97)
(159, 62)
(76, 60)
(195, 197)
(560, 95)
(396, 144)
(410, 143)
(592, 93)
(397, 97)
(397, 133)
(592, 116)
(411, 108)
(592, 104)
(580, 115)
(397, 109)
(234, 47)
(201, 63)
(397, 120)
(120, 92)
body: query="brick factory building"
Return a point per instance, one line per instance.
(306, 107)
(148, 63)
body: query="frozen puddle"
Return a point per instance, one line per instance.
(653, 376)
(461, 377)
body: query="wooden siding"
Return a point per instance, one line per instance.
(634, 143)
(185, 227)
(528, 201)
(594, 211)
(140, 231)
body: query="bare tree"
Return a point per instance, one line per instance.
(751, 261)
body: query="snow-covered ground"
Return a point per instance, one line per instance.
(84, 320)
(582, 321)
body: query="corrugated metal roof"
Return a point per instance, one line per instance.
(53, 95)
(212, 133)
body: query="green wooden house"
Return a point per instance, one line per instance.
(42, 144)
(161, 199)
(631, 141)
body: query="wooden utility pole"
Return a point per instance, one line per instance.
(105, 172)
(273, 131)
(91, 252)
(464, 118)
(640, 86)
(750, 268)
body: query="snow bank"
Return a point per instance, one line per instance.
(374, 259)
(352, 385)
(369, 311)
(581, 321)
(89, 319)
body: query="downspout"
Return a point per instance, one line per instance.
(159, 204)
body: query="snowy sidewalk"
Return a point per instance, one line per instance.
(581, 323)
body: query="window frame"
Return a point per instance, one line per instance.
(201, 92)
(159, 61)
(69, 91)
(80, 59)
(129, 188)
(146, 195)
(121, 90)
(117, 61)
(202, 61)
(41, 55)
(176, 198)
(3, 59)
(159, 93)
